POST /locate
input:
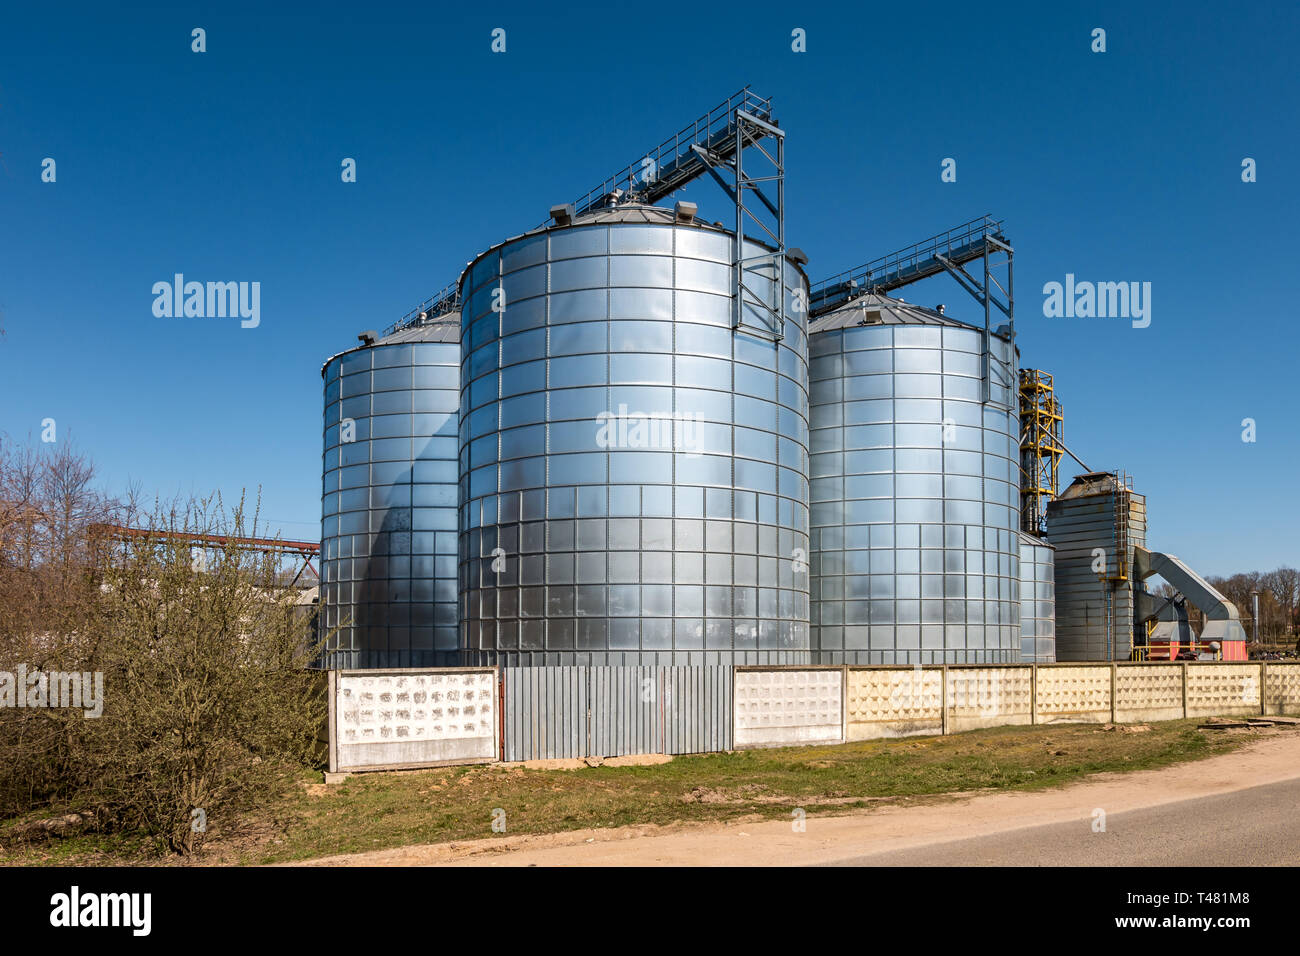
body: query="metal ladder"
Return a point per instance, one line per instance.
(1123, 491)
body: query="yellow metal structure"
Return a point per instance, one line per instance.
(1159, 653)
(1041, 448)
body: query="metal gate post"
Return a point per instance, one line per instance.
(501, 708)
(332, 730)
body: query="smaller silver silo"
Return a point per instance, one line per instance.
(1037, 600)
(914, 488)
(388, 499)
(1094, 525)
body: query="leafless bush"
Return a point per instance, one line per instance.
(209, 709)
(50, 563)
(210, 706)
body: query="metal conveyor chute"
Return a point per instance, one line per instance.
(1222, 622)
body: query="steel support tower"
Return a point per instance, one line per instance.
(1041, 448)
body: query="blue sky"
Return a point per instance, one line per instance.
(1115, 166)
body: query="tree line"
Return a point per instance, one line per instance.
(1279, 601)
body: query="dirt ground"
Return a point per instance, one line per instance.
(892, 825)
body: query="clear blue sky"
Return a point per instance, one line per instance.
(1122, 166)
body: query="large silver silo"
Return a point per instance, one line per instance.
(1037, 600)
(914, 488)
(633, 469)
(389, 515)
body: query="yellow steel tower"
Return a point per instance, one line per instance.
(1040, 448)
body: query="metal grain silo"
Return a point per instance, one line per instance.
(915, 488)
(1095, 524)
(388, 528)
(634, 469)
(1037, 600)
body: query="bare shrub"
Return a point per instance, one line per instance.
(208, 701)
(210, 705)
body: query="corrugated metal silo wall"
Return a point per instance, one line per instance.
(1077, 526)
(586, 539)
(1037, 601)
(915, 496)
(388, 526)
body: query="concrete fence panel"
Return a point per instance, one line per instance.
(424, 717)
(1223, 690)
(894, 702)
(1148, 692)
(787, 707)
(988, 697)
(1071, 693)
(1281, 689)
(412, 717)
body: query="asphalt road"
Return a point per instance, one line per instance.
(1259, 826)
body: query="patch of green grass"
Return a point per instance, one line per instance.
(79, 849)
(385, 810)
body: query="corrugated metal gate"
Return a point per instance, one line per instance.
(697, 715)
(609, 711)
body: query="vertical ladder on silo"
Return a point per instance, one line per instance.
(1123, 488)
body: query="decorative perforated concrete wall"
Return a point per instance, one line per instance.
(1073, 693)
(394, 719)
(777, 707)
(1148, 692)
(1282, 689)
(1223, 689)
(988, 697)
(402, 718)
(894, 702)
